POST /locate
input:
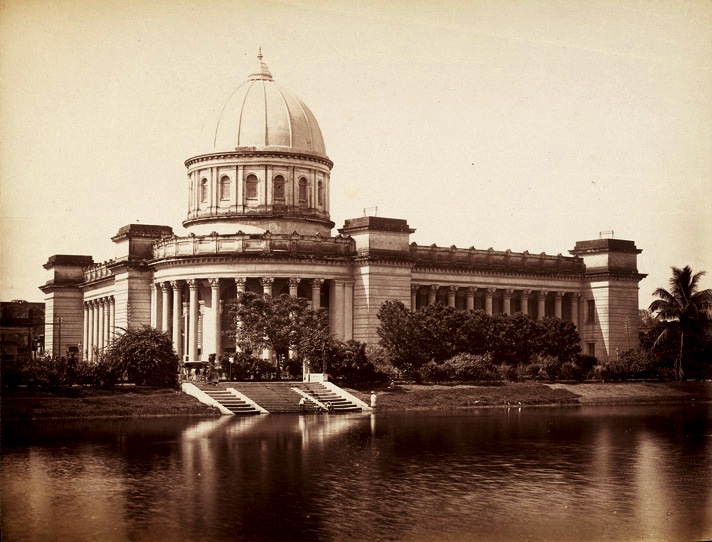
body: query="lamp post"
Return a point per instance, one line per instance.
(232, 360)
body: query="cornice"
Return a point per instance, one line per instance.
(249, 153)
(185, 261)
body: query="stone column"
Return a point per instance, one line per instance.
(524, 302)
(471, 297)
(451, 295)
(541, 304)
(294, 286)
(489, 293)
(193, 320)
(186, 329)
(155, 308)
(414, 296)
(85, 332)
(215, 303)
(507, 301)
(102, 318)
(107, 322)
(558, 296)
(112, 319)
(316, 292)
(575, 298)
(165, 305)
(348, 311)
(433, 294)
(177, 315)
(338, 330)
(95, 326)
(267, 283)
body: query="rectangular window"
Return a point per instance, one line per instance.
(591, 311)
(591, 349)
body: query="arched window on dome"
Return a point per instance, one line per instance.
(251, 187)
(225, 188)
(320, 193)
(303, 190)
(204, 190)
(278, 189)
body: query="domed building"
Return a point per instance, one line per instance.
(258, 220)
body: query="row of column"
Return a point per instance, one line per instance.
(524, 297)
(99, 326)
(169, 313)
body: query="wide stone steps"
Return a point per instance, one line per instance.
(276, 397)
(229, 400)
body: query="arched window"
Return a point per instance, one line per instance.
(225, 187)
(251, 191)
(320, 193)
(204, 190)
(302, 190)
(278, 188)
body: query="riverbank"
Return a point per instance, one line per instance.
(84, 403)
(413, 397)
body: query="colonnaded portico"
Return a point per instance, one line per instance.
(258, 220)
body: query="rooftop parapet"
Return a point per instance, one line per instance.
(252, 244)
(491, 259)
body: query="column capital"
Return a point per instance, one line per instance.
(489, 292)
(526, 293)
(414, 288)
(559, 294)
(165, 286)
(192, 283)
(471, 290)
(543, 293)
(176, 285)
(434, 287)
(452, 289)
(508, 292)
(294, 282)
(316, 283)
(576, 295)
(240, 283)
(266, 281)
(214, 283)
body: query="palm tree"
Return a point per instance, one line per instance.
(684, 309)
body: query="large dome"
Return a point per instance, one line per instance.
(263, 115)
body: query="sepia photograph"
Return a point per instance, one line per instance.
(356, 271)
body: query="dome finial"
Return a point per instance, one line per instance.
(262, 71)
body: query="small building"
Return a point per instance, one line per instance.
(258, 192)
(22, 326)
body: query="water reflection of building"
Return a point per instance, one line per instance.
(258, 216)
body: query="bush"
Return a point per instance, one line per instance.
(629, 365)
(143, 356)
(463, 367)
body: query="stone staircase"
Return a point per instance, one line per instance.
(228, 399)
(277, 397)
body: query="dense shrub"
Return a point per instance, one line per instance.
(463, 368)
(629, 365)
(143, 356)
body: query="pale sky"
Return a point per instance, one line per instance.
(526, 125)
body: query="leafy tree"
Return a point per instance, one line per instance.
(558, 338)
(144, 356)
(685, 310)
(281, 324)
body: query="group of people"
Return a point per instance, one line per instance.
(206, 373)
(328, 407)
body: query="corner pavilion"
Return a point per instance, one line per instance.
(258, 220)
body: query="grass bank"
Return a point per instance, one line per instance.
(23, 404)
(86, 403)
(411, 397)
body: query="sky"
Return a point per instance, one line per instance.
(522, 125)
